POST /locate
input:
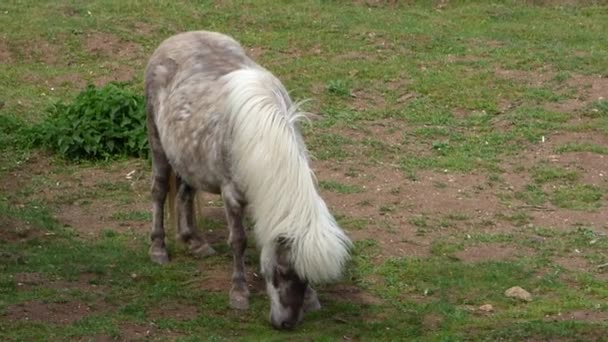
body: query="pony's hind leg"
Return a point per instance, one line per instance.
(239, 293)
(187, 231)
(160, 186)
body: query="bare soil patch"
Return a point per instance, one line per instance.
(136, 332)
(29, 278)
(131, 331)
(572, 263)
(5, 54)
(590, 87)
(29, 281)
(218, 278)
(14, 180)
(591, 167)
(116, 53)
(115, 73)
(581, 315)
(256, 52)
(363, 100)
(566, 106)
(12, 229)
(462, 59)
(85, 198)
(109, 46)
(175, 311)
(53, 83)
(56, 313)
(534, 78)
(390, 201)
(564, 219)
(491, 252)
(350, 294)
(351, 55)
(69, 80)
(47, 52)
(70, 11)
(432, 321)
(144, 29)
(376, 3)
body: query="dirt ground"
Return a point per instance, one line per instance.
(388, 203)
(465, 195)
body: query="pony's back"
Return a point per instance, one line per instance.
(185, 102)
(213, 53)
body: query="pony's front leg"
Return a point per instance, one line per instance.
(239, 293)
(187, 231)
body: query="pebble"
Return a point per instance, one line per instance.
(519, 293)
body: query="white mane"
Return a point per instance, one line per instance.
(270, 165)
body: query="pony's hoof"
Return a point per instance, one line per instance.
(202, 250)
(159, 256)
(239, 301)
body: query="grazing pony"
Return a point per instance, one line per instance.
(223, 124)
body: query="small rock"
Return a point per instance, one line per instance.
(519, 293)
(486, 308)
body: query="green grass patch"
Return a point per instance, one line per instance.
(352, 223)
(582, 147)
(578, 197)
(340, 187)
(532, 194)
(132, 216)
(545, 173)
(339, 88)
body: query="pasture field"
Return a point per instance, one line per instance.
(463, 145)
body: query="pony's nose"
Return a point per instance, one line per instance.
(288, 325)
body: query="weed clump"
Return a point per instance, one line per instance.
(101, 123)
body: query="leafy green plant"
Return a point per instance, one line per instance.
(101, 123)
(339, 88)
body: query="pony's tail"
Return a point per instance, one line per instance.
(270, 164)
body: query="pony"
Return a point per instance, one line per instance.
(220, 123)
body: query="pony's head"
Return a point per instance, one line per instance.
(290, 295)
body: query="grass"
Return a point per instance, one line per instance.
(438, 91)
(546, 173)
(340, 187)
(578, 197)
(582, 147)
(132, 216)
